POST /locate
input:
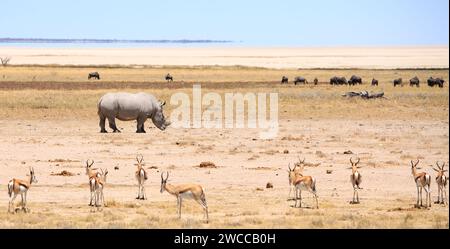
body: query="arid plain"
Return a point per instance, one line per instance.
(49, 121)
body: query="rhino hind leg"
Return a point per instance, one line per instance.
(112, 124)
(102, 124)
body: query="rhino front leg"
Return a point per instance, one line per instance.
(140, 125)
(112, 124)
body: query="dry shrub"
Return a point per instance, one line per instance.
(207, 165)
(63, 173)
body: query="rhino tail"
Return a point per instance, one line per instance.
(98, 106)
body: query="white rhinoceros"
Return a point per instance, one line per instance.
(129, 106)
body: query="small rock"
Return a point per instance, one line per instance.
(23, 162)
(286, 151)
(329, 171)
(116, 167)
(259, 189)
(269, 185)
(348, 152)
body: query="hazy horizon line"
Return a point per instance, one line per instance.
(98, 40)
(233, 43)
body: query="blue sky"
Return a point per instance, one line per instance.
(290, 22)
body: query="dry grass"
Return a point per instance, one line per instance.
(277, 213)
(308, 102)
(147, 76)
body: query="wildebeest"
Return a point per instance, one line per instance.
(128, 106)
(316, 81)
(414, 81)
(433, 82)
(300, 79)
(355, 80)
(284, 80)
(398, 81)
(94, 75)
(338, 80)
(169, 77)
(374, 82)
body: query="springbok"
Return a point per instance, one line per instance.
(423, 181)
(356, 180)
(91, 173)
(141, 177)
(297, 170)
(96, 185)
(302, 182)
(188, 191)
(441, 180)
(16, 186)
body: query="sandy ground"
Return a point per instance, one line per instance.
(245, 164)
(311, 57)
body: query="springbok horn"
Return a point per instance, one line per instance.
(351, 161)
(167, 175)
(417, 162)
(139, 158)
(358, 161)
(442, 166)
(289, 166)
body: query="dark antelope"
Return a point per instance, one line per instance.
(169, 78)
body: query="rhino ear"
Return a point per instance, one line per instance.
(162, 103)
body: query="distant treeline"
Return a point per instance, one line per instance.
(48, 40)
